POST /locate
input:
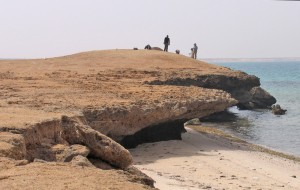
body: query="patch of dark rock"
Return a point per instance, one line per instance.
(81, 161)
(224, 116)
(4, 177)
(140, 177)
(256, 98)
(98, 163)
(277, 110)
(40, 152)
(245, 88)
(162, 132)
(213, 81)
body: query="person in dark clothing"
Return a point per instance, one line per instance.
(195, 50)
(148, 47)
(167, 43)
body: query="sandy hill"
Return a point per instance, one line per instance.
(55, 109)
(33, 90)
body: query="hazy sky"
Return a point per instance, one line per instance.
(221, 28)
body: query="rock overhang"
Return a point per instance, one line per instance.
(117, 92)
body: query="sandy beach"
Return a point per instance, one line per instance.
(203, 161)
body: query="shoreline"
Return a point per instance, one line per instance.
(251, 60)
(211, 159)
(256, 147)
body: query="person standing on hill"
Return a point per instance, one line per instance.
(167, 43)
(194, 51)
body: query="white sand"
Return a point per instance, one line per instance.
(203, 162)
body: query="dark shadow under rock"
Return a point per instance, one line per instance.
(162, 132)
(101, 164)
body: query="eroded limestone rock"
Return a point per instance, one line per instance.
(101, 164)
(40, 137)
(81, 161)
(261, 98)
(243, 87)
(6, 163)
(101, 146)
(140, 176)
(66, 153)
(163, 117)
(12, 146)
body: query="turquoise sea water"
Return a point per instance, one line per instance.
(282, 80)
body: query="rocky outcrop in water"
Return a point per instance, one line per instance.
(254, 98)
(224, 116)
(277, 110)
(244, 88)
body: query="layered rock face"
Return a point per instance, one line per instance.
(244, 88)
(71, 108)
(101, 146)
(120, 122)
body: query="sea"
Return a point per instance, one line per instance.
(281, 133)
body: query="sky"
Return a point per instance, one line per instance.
(221, 28)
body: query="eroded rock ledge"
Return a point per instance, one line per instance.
(162, 132)
(244, 88)
(60, 139)
(78, 109)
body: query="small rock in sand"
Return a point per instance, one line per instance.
(81, 161)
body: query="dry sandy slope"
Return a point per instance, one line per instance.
(209, 162)
(59, 176)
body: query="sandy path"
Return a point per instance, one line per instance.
(202, 162)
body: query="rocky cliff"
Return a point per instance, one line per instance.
(67, 108)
